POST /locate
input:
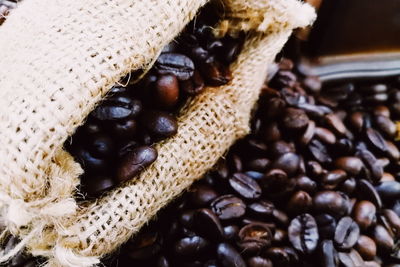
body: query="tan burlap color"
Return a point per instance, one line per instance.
(60, 60)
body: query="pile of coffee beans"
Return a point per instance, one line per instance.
(316, 183)
(116, 141)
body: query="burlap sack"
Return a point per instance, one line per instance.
(60, 59)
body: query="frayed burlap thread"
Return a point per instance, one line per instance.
(50, 84)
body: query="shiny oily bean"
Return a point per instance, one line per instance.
(308, 133)
(328, 254)
(351, 165)
(330, 202)
(319, 151)
(366, 247)
(382, 238)
(303, 233)
(335, 123)
(364, 213)
(177, 64)
(160, 124)
(332, 179)
(288, 162)
(326, 225)
(228, 207)
(295, 119)
(258, 261)
(207, 224)
(392, 221)
(261, 209)
(377, 140)
(299, 202)
(351, 259)
(367, 191)
(167, 91)
(135, 161)
(386, 125)
(325, 135)
(254, 237)
(202, 195)
(228, 256)
(245, 186)
(191, 246)
(389, 190)
(347, 233)
(304, 183)
(371, 163)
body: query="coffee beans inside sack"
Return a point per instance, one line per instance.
(143, 117)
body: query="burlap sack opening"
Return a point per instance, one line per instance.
(60, 60)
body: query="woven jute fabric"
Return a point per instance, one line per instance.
(60, 60)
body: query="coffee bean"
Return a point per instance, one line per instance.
(279, 148)
(357, 120)
(135, 161)
(351, 165)
(367, 191)
(279, 256)
(91, 163)
(208, 224)
(228, 256)
(125, 129)
(231, 232)
(391, 221)
(381, 111)
(300, 202)
(193, 86)
(94, 186)
(160, 124)
(167, 91)
(258, 261)
(348, 186)
(371, 163)
(325, 135)
(102, 146)
(364, 214)
(177, 64)
(332, 179)
(388, 190)
(202, 195)
(303, 233)
(280, 236)
(308, 133)
(328, 253)
(336, 124)
(245, 186)
(254, 237)
(258, 164)
(347, 233)
(228, 207)
(383, 240)
(304, 183)
(145, 246)
(295, 119)
(191, 246)
(186, 218)
(376, 139)
(261, 209)
(386, 125)
(326, 225)
(351, 259)
(330, 202)
(280, 217)
(366, 247)
(314, 168)
(288, 162)
(274, 179)
(392, 150)
(319, 151)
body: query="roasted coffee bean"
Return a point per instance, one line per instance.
(391, 221)
(102, 146)
(364, 213)
(191, 246)
(135, 161)
(126, 129)
(145, 246)
(335, 123)
(351, 165)
(389, 190)
(193, 86)
(325, 135)
(280, 236)
(300, 202)
(167, 91)
(186, 218)
(328, 254)
(314, 168)
(303, 233)
(258, 164)
(261, 209)
(160, 124)
(279, 148)
(367, 191)
(228, 256)
(274, 179)
(280, 217)
(386, 125)
(91, 163)
(330, 202)
(258, 262)
(202, 195)
(231, 232)
(295, 119)
(288, 162)
(383, 240)
(366, 247)
(347, 233)
(279, 257)
(228, 207)
(326, 225)
(304, 183)
(376, 139)
(177, 64)
(333, 178)
(348, 186)
(392, 150)
(245, 186)
(319, 151)
(351, 259)
(215, 73)
(308, 133)
(208, 224)
(254, 237)
(96, 185)
(371, 163)
(357, 120)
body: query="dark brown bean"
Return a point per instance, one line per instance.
(254, 237)
(191, 246)
(376, 139)
(160, 124)
(364, 213)
(351, 259)
(382, 238)
(288, 162)
(347, 233)
(328, 253)
(351, 165)
(295, 119)
(389, 190)
(367, 191)
(319, 151)
(330, 202)
(177, 64)
(228, 256)
(300, 202)
(325, 135)
(335, 123)
(258, 261)
(208, 224)
(366, 247)
(303, 233)
(167, 91)
(332, 179)
(228, 207)
(135, 161)
(245, 186)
